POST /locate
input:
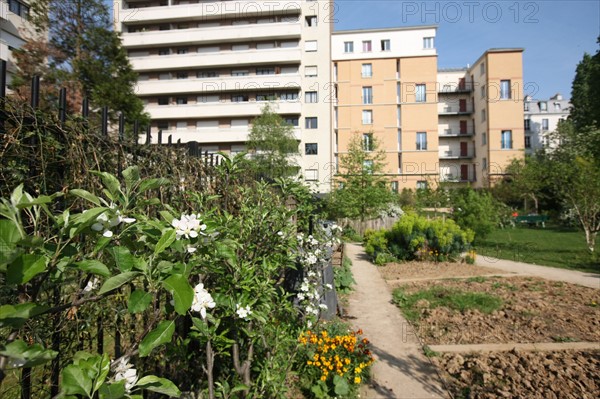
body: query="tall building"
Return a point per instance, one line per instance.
(13, 24)
(541, 119)
(452, 125)
(206, 69)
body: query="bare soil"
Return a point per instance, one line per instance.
(515, 374)
(418, 270)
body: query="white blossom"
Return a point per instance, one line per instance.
(125, 371)
(105, 223)
(202, 300)
(280, 233)
(188, 226)
(243, 312)
(92, 284)
(329, 286)
(323, 306)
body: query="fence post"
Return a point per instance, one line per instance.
(149, 134)
(2, 94)
(35, 92)
(159, 136)
(62, 105)
(105, 121)
(56, 347)
(170, 140)
(120, 144)
(26, 383)
(100, 339)
(85, 108)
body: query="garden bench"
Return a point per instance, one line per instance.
(532, 219)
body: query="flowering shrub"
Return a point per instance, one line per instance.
(335, 363)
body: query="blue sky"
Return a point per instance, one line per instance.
(554, 34)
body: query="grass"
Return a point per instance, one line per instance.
(444, 297)
(552, 246)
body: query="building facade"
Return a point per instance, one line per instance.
(207, 68)
(13, 25)
(541, 120)
(450, 125)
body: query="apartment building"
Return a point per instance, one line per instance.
(207, 68)
(13, 24)
(449, 125)
(385, 81)
(541, 119)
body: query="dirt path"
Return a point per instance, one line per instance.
(401, 370)
(550, 273)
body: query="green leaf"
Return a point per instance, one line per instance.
(226, 250)
(85, 219)
(94, 267)
(9, 233)
(23, 355)
(16, 195)
(41, 200)
(113, 391)
(138, 301)
(160, 335)
(75, 381)
(123, 258)
(16, 315)
(117, 281)
(110, 182)
(103, 369)
(182, 292)
(160, 385)
(151, 184)
(25, 267)
(167, 217)
(240, 387)
(131, 175)
(341, 386)
(86, 195)
(165, 241)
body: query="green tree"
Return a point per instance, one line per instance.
(362, 188)
(585, 94)
(475, 210)
(81, 52)
(273, 144)
(528, 179)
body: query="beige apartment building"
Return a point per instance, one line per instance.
(13, 26)
(451, 125)
(207, 68)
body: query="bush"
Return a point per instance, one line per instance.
(343, 278)
(415, 237)
(476, 210)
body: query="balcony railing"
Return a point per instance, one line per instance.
(456, 133)
(456, 89)
(455, 110)
(450, 178)
(457, 154)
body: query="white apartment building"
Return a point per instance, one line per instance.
(207, 68)
(541, 119)
(13, 23)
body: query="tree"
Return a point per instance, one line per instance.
(585, 93)
(80, 52)
(475, 210)
(273, 144)
(362, 189)
(528, 179)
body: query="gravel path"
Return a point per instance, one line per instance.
(401, 370)
(550, 273)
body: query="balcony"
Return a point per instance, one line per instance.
(217, 34)
(216, 59)
(450, 110)
(208, 11)
(219, 109)
(450, 178)
(455, 88)
(449, 133)
(209, 136)
(221, 84)
(460, 154)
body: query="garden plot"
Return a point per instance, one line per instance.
(394, 272)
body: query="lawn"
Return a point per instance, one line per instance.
(552, 246)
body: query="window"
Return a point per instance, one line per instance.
(288, 96)
(240, 47)
(311, 20)
(543, 106)
(311, 174)
(367, 70)
(557, 106)
(505, 89)
(164, 51)
(311, 97)
(310, 71)
(482, 91)
(366, 46)
(311, 123)
(385, 45)
(207, 74)
(544, 124)
(239, 73)
(526, 106)
(368, 165)
(420, 95)
(368, 144)
(182, 75)
(483, 138)
(163, 100)
(182, 51)
(394, 186)
(162, 125)
(527, 141)
(348, 47)
(182, 125)
(265, 71)
(421, 141)
(527, 124)
(506, 140)
(421, 185)
(484, 164)
(367, 95)
(18, 8)
(164, 27)
(482, 68)
(294, 121)
(367, 117)
(483, 115)
(265, 97)
(181, 100)
(310, 45)
(428, 42)
(238, 98)
(311, 148)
